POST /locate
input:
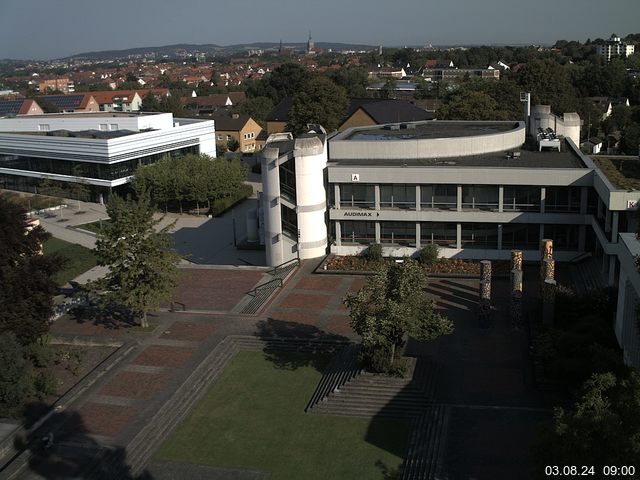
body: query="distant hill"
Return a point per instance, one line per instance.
(211, 49)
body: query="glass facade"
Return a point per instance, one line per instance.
(101, 171)
(565, 237)
(289, 222)
(358, 232)
(287, 173)
(398, 196)
(398, 233)
(480, 197)
(521, 199)
(439, 197)
(357, 195)
(479, 235)
(439, 233)
(521, 236)
(562, 200)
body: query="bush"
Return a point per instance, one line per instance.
(374, 252)
(45, 383)
(376, 359)
(429, 254)
(221, 205)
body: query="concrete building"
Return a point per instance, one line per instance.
(615, 47)
(99, 149)
(63, 85)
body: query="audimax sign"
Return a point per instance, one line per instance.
(360, 214)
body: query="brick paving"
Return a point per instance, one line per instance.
(106, 420)
(214, 289)
(164, 356)
(134, 385)
(302, 300)
(188, 331)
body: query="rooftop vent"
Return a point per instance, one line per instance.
(393, 126)
(408, 126)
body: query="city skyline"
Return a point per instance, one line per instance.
(31, 29)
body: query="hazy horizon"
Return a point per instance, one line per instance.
(33, 29)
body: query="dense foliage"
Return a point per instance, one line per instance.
(391, 306)
(191, 181)
(142, 268)
(321, 102)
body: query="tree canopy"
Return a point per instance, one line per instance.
(390, 306)
(26, 296)
(320, 101)
(142, 268)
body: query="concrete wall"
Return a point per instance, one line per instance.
(76, 122)
(429, 147)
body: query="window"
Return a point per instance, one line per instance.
(523, 236)
(400, 233)
(289, 222)
(562, 199)
(103, 127)
(521, 199)
(113, 126)
(480, 197)
(43, 127)
(479, 235)
(220, 137)
(287, 172)
(444, 234)
(228, 138)
(398, 196)
(357, 195)
(439, 197)
(358, 232)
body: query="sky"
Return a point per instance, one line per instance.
(46, 29)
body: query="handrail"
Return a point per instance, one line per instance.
(282, 265)
(260, 287)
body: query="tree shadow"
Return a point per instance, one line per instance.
(63, 448)
(111, 317)
(291, 345)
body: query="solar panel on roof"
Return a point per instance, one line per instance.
(10, 107)
(66, 101)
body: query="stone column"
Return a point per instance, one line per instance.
(376, 197)
(501, 198)
(338, 238)
(485, 281)
(459, 198)
(548, 301)
(418, 198)
(516, 259)
(336, 195)
(458, 236)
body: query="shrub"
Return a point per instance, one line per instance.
(374, 252)
(429, 254)
(45, 383)
(221, 205)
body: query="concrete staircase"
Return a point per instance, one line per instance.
(369, 395)
(425, 450)
(260, 295)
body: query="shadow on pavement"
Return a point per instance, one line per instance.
(63, 448)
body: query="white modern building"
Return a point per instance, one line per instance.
(615, 47)
(100, 149)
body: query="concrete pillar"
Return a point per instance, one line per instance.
(376, 193)
(612, 270)
(622, 297)
(377, 232)
(541, 231)
(274, 243)
(607, 221)
(614, 227)
(338, 239)
(336, 193)
(459, 198)
(582, 238)
(543, 198)
(418, 244)
(458, 236)
(501, 198)
(600, 207)
(418, 198)
(499, 237)
(584, 192)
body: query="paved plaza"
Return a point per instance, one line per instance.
(482, 376)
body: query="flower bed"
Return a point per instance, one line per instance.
(444, 266)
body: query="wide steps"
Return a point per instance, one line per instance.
(426, 445)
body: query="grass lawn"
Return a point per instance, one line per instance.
(253, 418)
(78, 259)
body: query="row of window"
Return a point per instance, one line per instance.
(473, 235)
(76, 168)
(474, 197)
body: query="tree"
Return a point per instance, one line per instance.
(257, 108)
(320, 102)
(549, 84)
(602, 428)
(150, 103)
(15, 369)
(285, 81)
(389, 307)
(233, 145)
(26, 296)
(142, 269)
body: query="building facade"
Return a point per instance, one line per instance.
(100, 150)
(615, 47)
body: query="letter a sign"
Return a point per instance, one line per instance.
(355, 177)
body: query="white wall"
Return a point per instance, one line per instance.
(87, 121)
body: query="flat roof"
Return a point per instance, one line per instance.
(622, 171)
(87, 115)
(427, 130)
(527, 159)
